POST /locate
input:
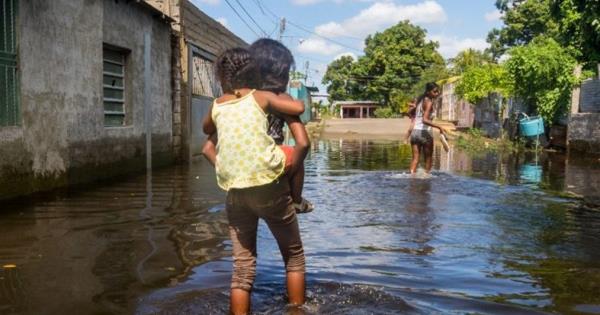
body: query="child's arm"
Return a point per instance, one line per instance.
(209, 150)
(301, 138)
(208, 125)
(285, 104)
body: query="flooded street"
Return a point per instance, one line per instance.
(494, 234)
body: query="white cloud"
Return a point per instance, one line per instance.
(209, 2)
(450, 46)
(223, 21)
(350, 54)
(319, 46)
(493, 16)
(381, 15)
(308, 2)
(305, 2)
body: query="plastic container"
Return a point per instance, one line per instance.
(531, 126)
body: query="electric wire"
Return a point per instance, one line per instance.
(241, 18)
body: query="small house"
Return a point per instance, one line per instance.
(356, 109)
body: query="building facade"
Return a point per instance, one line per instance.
(72, 109)
(356, 109)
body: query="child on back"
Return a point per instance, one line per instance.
(273, 63)
(253, 170)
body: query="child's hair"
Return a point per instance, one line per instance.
(412, 112)
(235, 69)
(274, 62)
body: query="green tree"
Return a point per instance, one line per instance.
(575, 24)
(469, 58)
(479, 82)
(341, 81)
(543, 77)
(395, 61)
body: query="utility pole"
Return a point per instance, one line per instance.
(281, 28)
(306, 65)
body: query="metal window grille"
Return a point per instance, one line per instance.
(205, 81)
(114, 87)
(10, 114)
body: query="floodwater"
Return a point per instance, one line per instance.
(489, 234)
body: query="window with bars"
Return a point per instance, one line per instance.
(114, 87)
(10, 113)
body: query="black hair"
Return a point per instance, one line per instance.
(430, 86)
(236, 69)
(273, 62)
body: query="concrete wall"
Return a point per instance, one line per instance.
(583, 133)
(62, 139)
(209, 36)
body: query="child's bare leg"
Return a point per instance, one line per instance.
(240, 302)
(296, 287)
(297, 184)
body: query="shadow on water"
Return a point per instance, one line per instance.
(494, 234)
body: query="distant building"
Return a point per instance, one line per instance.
(356, 109)
(583, 133)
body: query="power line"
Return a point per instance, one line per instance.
(323, 37)
(251, 18)
(241, 18)
(305, 29)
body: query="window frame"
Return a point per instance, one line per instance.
(124, 55)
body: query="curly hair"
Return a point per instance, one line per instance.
(273, 62)
(236, 69)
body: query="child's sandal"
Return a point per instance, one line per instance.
(303, 207)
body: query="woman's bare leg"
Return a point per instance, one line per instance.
(415, 158)
(428, 152)
(296, 287)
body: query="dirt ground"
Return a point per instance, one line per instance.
(374, 128)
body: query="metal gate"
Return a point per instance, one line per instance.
(205, 88)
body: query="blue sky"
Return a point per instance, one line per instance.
(318, 31)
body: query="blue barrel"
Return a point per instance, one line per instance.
(531, 126)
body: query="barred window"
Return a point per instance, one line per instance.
(114, 87)
(10, 113)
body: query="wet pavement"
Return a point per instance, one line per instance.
(494, 233)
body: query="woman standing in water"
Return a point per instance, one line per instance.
(421, 137)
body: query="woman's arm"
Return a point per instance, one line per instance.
(427, 107)
(208, 125)
(410, 129)
(301, 138)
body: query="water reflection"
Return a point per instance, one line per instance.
(486, 234)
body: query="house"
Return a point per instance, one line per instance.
(300, 91)
(72, 106)
(356, 109)
(583, 133)
(453, 108)
(198, 40)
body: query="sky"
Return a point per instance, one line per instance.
(318, 31)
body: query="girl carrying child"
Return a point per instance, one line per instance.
(254, 170)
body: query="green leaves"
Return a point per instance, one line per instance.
(543, 76)
(479, 81)
(395, 61)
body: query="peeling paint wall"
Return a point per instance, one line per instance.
(62, 138)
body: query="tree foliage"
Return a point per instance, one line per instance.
(469, 58)
(543, 76)
(480, 81)
(395, 61)
(574, 24)
(341, 81)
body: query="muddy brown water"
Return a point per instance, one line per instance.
(489, 234)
